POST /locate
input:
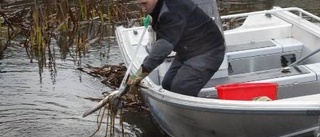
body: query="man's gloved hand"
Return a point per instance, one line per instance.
(147, 21)
(136, 78)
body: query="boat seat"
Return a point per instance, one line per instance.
(252, 49)
(251, 57)
(261, 48)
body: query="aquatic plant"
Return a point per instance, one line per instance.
(44, 26)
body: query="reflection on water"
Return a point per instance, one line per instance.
(31, 108)
(53, 105)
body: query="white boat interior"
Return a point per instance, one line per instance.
(257, 51)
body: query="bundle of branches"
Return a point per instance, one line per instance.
(111, 76)
(110, 105)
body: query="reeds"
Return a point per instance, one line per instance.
(70, 26)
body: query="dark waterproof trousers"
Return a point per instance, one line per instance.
(190, 76)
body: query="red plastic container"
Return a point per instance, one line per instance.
(247, 91)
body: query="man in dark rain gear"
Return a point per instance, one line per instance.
(181, 26)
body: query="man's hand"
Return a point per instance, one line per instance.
(136, 78)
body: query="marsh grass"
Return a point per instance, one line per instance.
(69, 26)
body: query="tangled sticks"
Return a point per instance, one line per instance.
(112, 105)
(111, 75)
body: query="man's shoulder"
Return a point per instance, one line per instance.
(182, 7)
(176, 4)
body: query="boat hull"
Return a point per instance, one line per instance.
(182, 120)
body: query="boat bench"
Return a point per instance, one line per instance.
(250, 57)
(262, 48)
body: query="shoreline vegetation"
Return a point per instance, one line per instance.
(42, 27)
(52, 29)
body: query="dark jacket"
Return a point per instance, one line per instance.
(182, 27)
